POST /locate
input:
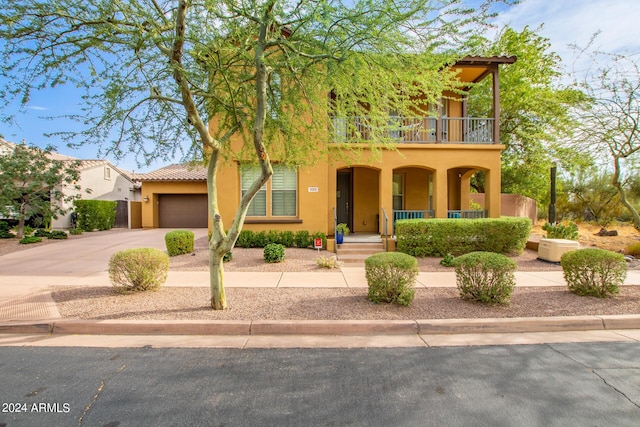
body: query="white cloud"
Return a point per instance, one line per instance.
(576, 21)
(37, 108)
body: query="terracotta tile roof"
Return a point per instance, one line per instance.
(181, 172)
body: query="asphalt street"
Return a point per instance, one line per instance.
(534, 385)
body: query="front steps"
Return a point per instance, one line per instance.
(354, 254)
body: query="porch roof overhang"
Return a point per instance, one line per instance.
(474, 69)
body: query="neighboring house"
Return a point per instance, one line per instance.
(99, 180)
(427, 176)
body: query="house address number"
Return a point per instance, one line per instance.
(313, 189)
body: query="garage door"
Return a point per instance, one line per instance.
(182, 210)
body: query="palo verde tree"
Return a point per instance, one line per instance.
(190, 77)
(534, 111)
(610, 122)
(32, 184)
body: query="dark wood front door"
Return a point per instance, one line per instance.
(344, 199)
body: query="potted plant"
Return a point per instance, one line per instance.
(341, 231)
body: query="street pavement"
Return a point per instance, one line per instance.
(27, 309)
(595, 384)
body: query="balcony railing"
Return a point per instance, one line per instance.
(466, 214)
(412, 214)
(414, 130)
(419, 214)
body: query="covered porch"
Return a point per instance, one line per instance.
(371, 200)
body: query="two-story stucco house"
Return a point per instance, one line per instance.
(427, 175)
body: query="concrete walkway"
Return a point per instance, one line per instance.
(28, 315)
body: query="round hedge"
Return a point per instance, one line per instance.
(138, 269)
(594, 272)
(485, 277)
(391, 277)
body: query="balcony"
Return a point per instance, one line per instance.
(414, 130)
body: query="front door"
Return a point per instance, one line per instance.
(344, 200)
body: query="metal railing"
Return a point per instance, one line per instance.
(414, 130)
(466, 214)
(412, 214)
(385, 229)
(335, 228)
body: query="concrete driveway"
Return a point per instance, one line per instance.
(68, 262)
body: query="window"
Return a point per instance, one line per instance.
(258, 206)
(398, 191)
(284, 185)
(107, 173)
(281, 192)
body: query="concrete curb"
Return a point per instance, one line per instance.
(324, 327)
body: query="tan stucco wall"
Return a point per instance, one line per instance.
(513, 205)
(135, 214)
(416, 188)
(365, 200)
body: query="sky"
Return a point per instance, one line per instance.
(564, 22)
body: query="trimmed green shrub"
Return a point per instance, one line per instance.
(27, 230)
(259, 240)
(272, 236)
(594, 272)
(75, 231)
(57, 235)
(302, 239)
(439, 237)
(95, 214)
(273, 252)
(287, 239)
(179, 242)
(26, 240)
(447, 260)
(485, 277)
(634, 249)
(138, 269)
(42, 233)
(4, 231)
(245, 239)
(561, 231)
(391, 277)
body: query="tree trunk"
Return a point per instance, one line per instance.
(20, 229)
(623, 195)
(216, 279)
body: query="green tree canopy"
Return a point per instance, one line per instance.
(32, 184)
(534, 112)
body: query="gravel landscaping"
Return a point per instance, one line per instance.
(192, 303)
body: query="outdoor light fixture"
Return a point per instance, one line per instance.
(146, 199)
